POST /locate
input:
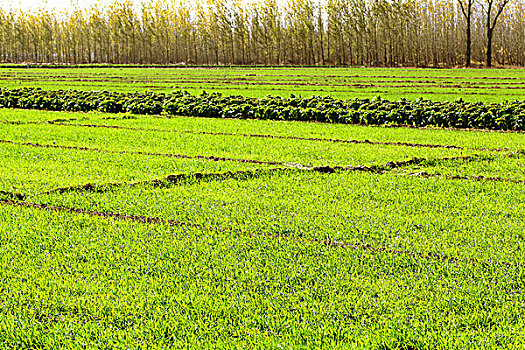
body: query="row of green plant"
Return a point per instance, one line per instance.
(41, 169)
(509, 115)
(165, 145)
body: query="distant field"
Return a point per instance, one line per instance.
(487, 85)
(126, 231)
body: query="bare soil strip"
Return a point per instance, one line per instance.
(158, 220)
(169, 180)
(393, 83)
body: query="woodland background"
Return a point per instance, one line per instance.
(427, 33)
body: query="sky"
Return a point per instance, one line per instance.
(51, 4)
(59, 5)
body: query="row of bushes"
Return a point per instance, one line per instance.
(508, 115)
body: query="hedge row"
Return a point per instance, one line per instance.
(508, 115)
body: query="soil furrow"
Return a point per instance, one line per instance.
(168, 180)
(12, 195)
(137, 218)
(428, 255)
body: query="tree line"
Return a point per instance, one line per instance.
(423, 33)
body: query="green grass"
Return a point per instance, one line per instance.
(488, 85)
(307, 153)
(507, 167)
(25, 169)
(430, 262)
(85, 282)
(435, 136)
(390, 211)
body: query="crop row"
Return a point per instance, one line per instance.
(220, 148)
(508, 115)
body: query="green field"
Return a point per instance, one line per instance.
(121, 231)
(489, 85)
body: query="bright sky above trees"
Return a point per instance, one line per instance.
(52, 4)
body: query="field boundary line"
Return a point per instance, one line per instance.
(158, 220)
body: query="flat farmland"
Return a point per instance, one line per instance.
(123, 230)
(488, 85)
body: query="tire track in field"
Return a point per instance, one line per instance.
(161, 221)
